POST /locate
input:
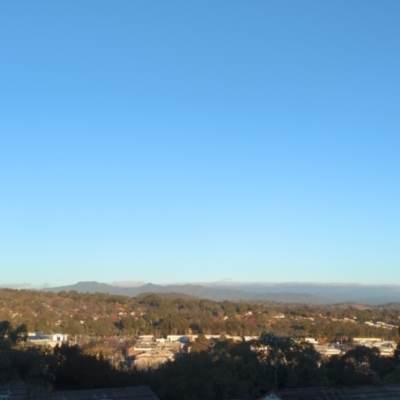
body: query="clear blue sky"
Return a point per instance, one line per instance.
(199, 140)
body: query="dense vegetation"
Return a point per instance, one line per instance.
(217, 370)
(97, 315)
(214, 369)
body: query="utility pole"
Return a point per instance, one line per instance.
(272, 341)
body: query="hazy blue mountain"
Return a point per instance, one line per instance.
(335, 292)
(311, 293)
(203, 292)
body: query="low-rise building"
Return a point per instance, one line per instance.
(47, 340)
(19, 391)
(378, 392)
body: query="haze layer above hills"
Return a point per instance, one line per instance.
(308, 293)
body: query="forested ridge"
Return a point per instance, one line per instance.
(100, 315)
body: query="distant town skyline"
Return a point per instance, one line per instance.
(195, 142)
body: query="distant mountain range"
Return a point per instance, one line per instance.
(202, 292)
(307, 293)
(333, 292)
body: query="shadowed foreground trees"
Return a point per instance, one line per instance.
(291, 364)
(73, 369)
(30, 364)
(226, 370)
(217, 370)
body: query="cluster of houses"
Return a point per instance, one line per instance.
(325, 349)
(380, 324)
(386, 347)
(192, 338)
(150, 352)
